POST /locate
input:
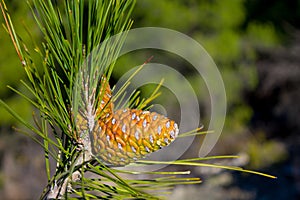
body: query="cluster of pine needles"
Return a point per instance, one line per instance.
(72, 31)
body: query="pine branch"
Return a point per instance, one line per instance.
(69, 84)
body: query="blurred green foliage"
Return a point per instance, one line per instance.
(217, 25)
(284, 15)
(264, 153)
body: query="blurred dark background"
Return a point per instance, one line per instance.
(255, 44)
